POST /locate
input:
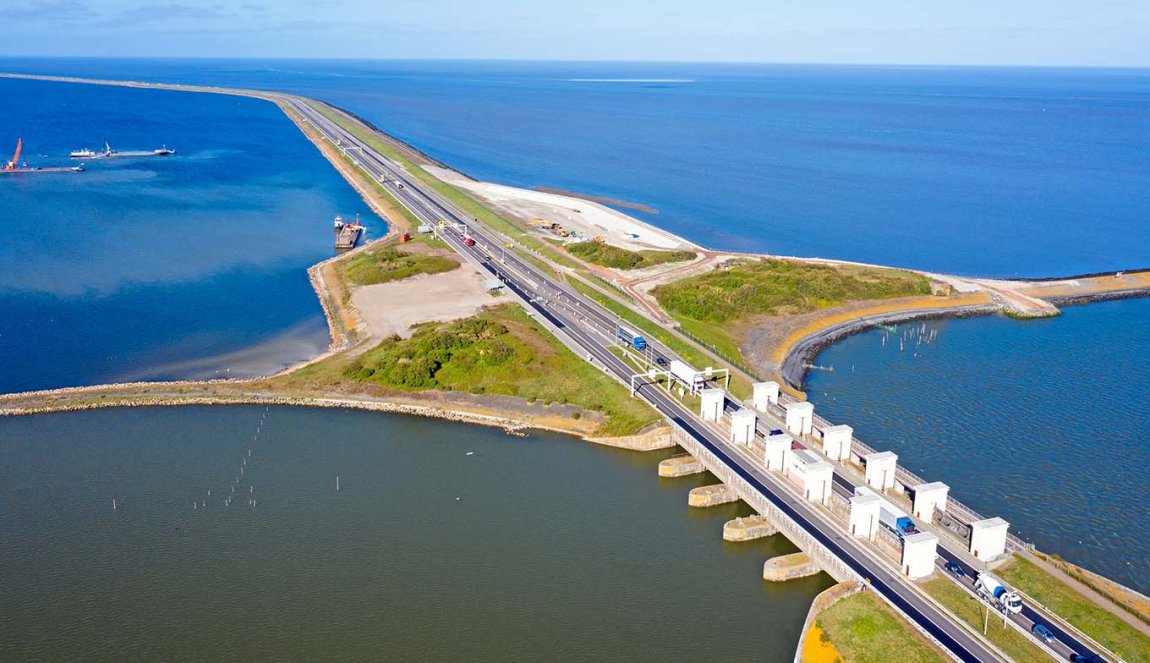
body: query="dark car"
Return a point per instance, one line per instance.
(955, 570)
(660, 361)
(1043, 632)
(1087, 658)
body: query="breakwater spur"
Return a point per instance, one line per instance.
(798, 359)
(1022, 299)
(240, 392)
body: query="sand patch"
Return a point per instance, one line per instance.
(583, 217)
(395, 307)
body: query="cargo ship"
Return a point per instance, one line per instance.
(109, 153)
(347, 233)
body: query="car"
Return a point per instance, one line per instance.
(660, 361)
(955, 570)
(1043, 633)
(1087, 658)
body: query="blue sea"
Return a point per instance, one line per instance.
(194, 266)
(977, 171)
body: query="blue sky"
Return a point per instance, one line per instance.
(1009, 32)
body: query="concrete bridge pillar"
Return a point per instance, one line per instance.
(778, 450)
(918, 554)
(764, 394)
(988, 538)
(927, 498)
(711, 404)
(880, 469)
(743, 426)
(863, 520)
(837, 442)
(800, 417)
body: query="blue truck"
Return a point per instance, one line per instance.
(630, 338)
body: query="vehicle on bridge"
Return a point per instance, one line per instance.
(994, 588)
(630, 338)
(890, 516)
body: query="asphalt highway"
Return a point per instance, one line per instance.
(592, 330)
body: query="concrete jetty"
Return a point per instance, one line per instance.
(789, 567)
(705, 496)
(748, 528)
(680, 466)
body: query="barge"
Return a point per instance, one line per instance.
(347, 233)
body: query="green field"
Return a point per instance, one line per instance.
(781, 287)
(865, 630)
(505, 352)
(1106, 628)
(606, 255)
(390, 264)
(971, 610)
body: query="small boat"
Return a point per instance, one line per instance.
(82, 154)
(163, 151)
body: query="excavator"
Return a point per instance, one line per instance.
(14, 164)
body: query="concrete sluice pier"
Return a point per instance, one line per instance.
(789, 567)
(705, 496)
(748, 528)
(680, 466)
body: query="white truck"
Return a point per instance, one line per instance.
(994, 588)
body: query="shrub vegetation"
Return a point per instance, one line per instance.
(601, 253)
(391, 264)
(776, 287)
(501, 351)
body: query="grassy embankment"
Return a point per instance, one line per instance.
(389, 263)
(739, 388)
(367, 186)
(708, 306)
(606, 255)
(501, 351)
(1106, 628)
(969, 609)
(862, 629)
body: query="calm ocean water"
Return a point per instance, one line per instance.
(989, 171)
(1041, 422)
(186, 266)
(446, 542)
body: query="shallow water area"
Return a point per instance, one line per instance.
(371, 537)
(191, 265)
(1040, 422)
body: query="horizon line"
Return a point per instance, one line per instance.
(511, 60)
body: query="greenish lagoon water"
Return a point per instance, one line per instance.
(444, 542)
